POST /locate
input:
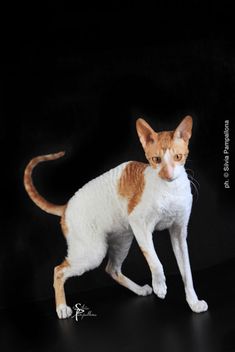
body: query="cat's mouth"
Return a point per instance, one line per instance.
(171, 179)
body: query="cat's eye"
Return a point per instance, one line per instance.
(156, 159)
(178, 157)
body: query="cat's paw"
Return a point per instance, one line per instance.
(198, 306)
(145, 290)
(160, 288)
(63, 311)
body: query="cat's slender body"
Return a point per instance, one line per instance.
(130, 200)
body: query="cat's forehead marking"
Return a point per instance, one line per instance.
(164, 140)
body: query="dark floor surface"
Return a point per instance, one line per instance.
(125, 322)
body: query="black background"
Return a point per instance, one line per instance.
(78, 85)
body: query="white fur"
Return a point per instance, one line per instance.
(98, 221)
(63, 311)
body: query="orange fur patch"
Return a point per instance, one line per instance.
(131, 183)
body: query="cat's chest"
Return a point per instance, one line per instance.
(165, 211)
(168, 203)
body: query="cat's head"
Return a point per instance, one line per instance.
(166, 151)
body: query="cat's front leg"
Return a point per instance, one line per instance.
(145, 242)
(178, 236)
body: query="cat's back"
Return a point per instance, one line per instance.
(98, 205)
(105, 183)
(98, 195)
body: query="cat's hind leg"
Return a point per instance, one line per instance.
(118, 248)
(61, 273)
(81, 258)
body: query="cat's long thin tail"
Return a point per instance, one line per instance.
(31, 190)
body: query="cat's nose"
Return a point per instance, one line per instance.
(167, 173)
(169, 177)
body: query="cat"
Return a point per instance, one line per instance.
(131, 200)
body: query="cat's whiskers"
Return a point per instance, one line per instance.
(193, 177)
(194, 182)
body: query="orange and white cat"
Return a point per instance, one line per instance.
(132, 199)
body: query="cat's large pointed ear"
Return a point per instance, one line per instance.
(145, 132)
(184, 130)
